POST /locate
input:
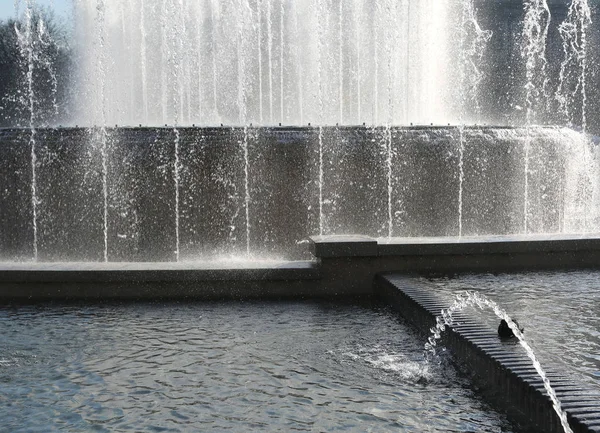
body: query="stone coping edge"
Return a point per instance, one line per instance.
(500, 368)
(29, 282)
(363, 246)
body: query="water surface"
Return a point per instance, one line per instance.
(298, 366)
(559, 310)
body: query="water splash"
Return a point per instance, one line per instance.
(243, 9)
(476, 299)
(101, 62)
(45, 58)
(341, 60)
(461, 177)
(526, 150)
(34, 195)
(472, 47)
(357, 30)
(281, 59)
(572, 78)
(299, 67)
(286, 53)
(143, 62)
(175, 45)
(246, 189)
(259, 44)
(269, 13)
(176, 178)
(390, 187)
(28, 51)
(321, 180)
(581, 195)
(533, 50)
(103, 140)
(399, 364)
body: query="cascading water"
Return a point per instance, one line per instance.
(28, 51)
(320, 103)
(536, 24)
(45, 41)
(323, 61)
(299, 68)
(341, 60)
(389, 172)
(573, 69)
(282, 50)
(533, 50)
(329, 40)
(247, 198)
(102, 137)
(213, 43)
(329, 61)
(259, 44)
(357, 29)
(476, 299)
(321, 180)
(176, 179)
(243, 10)
(143, 70)
(472, 48)
(461, 177)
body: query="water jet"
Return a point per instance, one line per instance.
(479, 156)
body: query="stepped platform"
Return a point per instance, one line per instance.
(341, 266)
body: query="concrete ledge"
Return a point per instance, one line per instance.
(500, 368)
(198, 280)
(364, 246)
(343, 266)
(157, 271)
(471, 245)
(343, 246)
(351, 262)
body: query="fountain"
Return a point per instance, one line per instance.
(473, 298)
(179, 64)
(235, 129)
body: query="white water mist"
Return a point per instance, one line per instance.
(571, 93)
(287, 54)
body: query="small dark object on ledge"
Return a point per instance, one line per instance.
(504, 330)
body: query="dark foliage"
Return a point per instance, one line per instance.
(42, 53)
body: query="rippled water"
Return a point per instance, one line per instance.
(298, 366)
(559, 310)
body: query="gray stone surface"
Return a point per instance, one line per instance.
(504, 244)
(343, 246)
(350, 261)
(357, 245)
(199, 280)
(284, 187)
(344, 266)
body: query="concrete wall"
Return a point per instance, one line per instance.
(283, 185)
